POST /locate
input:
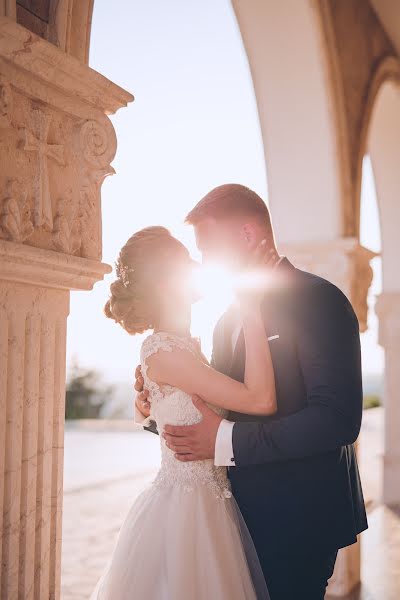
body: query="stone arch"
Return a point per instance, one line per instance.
(381, 139)
(374, 127)
(301, 104)
(292, 85)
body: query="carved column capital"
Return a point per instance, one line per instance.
(98, 143)
(56, 142)
(6, 102)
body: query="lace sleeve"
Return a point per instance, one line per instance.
(162, 341)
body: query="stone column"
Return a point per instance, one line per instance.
(56, 145)
(346, 264)
(388, 311)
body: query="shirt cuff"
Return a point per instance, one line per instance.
(224, 445)
(141, 420)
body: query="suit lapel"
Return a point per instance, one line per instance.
(237, 355)
(232, 362)
(236, 370)
(225, 356)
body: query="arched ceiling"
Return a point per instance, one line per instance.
(388, 12)
(384, 149)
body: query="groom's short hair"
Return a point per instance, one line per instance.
(229, 200)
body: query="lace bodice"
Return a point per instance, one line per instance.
(170, 405)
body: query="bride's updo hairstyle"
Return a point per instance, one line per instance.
(147, 258)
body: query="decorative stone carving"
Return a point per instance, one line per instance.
(21, 263)
(55, 136)
(97, 143)
(362, 277)
(15, 219)
(67, 230)
(37, 141)
(6, 103)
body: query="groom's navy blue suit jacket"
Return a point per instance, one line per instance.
(296, 477)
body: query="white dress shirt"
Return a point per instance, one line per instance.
(224, 441)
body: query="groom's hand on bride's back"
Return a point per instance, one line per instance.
(141, 401)
(194, 442)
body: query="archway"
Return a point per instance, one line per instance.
(293, 93)
(383, 143)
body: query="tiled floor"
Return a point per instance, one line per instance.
(105, 471)
(92, 518)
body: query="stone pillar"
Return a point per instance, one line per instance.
(346, 264)
(56, 145)
(388, 311)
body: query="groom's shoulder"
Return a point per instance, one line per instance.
(314, 289)
(307, 280)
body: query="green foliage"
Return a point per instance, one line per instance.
(85, 394)
(371, 401)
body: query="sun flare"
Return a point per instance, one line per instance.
(215, 281)
(215, 285)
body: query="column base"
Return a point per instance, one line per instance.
(391, 480)
(347, 571)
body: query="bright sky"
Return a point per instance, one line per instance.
(193, 125)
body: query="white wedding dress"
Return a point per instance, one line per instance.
(184, 537)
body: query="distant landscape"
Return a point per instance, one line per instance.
(89, 395)
(373, 384)
(119, 403)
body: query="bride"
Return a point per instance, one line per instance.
(184, 536)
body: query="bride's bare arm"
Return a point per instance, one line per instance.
(256, 395)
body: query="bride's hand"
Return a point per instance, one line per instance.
(252, 289)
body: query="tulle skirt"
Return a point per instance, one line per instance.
(176, 544)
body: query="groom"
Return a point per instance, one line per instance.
(293, 474)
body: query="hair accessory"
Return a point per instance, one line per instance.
(122, 272)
